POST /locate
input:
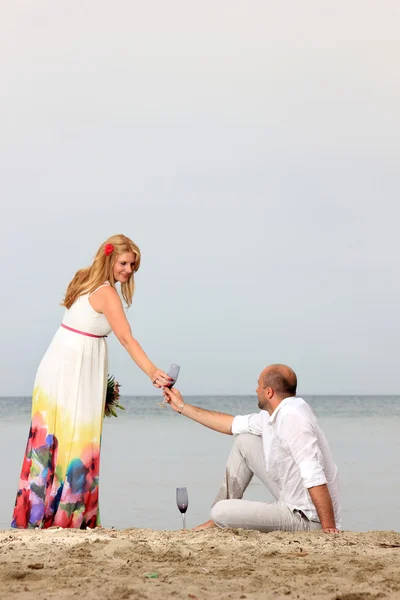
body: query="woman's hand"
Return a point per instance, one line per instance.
(160, 379)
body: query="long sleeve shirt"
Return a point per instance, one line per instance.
(297, 454)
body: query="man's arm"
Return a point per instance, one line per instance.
(213, 420)
(323, 503)
(299, 438)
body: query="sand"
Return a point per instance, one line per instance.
(210, 564)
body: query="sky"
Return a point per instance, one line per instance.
(251, 150)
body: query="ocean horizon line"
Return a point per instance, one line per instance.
(227, 395)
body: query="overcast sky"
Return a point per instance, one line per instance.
(250, 148)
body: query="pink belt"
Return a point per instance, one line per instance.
(82, 332)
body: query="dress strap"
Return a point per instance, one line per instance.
(106, 283)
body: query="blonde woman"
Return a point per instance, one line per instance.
(59, 484)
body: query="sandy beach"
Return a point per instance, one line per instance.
(211, 564)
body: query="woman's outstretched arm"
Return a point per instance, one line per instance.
(107, 301)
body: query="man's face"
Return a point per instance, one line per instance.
(261, 394)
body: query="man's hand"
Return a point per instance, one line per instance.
(213, 420)
(331, 530)
(323, 503)
(174, 398)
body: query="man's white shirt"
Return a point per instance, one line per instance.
(297, 454)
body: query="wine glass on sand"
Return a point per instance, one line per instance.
(182, 503)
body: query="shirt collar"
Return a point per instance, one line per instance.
(272, 418)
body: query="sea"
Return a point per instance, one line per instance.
(149, 450)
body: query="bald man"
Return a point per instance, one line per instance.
(284, 446)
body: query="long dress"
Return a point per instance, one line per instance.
(59, 483)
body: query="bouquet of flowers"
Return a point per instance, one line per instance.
(112, 397)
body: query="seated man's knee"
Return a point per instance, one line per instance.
(248, 442)
(219, 513)
(242, 439)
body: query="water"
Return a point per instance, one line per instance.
(149, 451)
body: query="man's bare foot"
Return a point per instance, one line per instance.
(205, 525)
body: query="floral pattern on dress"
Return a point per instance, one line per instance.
(45, 498)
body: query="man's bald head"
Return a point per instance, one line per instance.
(281, 378)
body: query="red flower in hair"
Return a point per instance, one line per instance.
(108, 248)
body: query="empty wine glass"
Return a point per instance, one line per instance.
(182, 503)
(172, 372)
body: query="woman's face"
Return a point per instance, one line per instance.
(124, 267)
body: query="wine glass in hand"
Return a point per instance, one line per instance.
(173, 373)
(182, 503)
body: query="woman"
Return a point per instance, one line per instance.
(59, 483)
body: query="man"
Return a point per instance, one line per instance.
(284, 446)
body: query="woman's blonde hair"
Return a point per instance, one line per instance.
(87, 280)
